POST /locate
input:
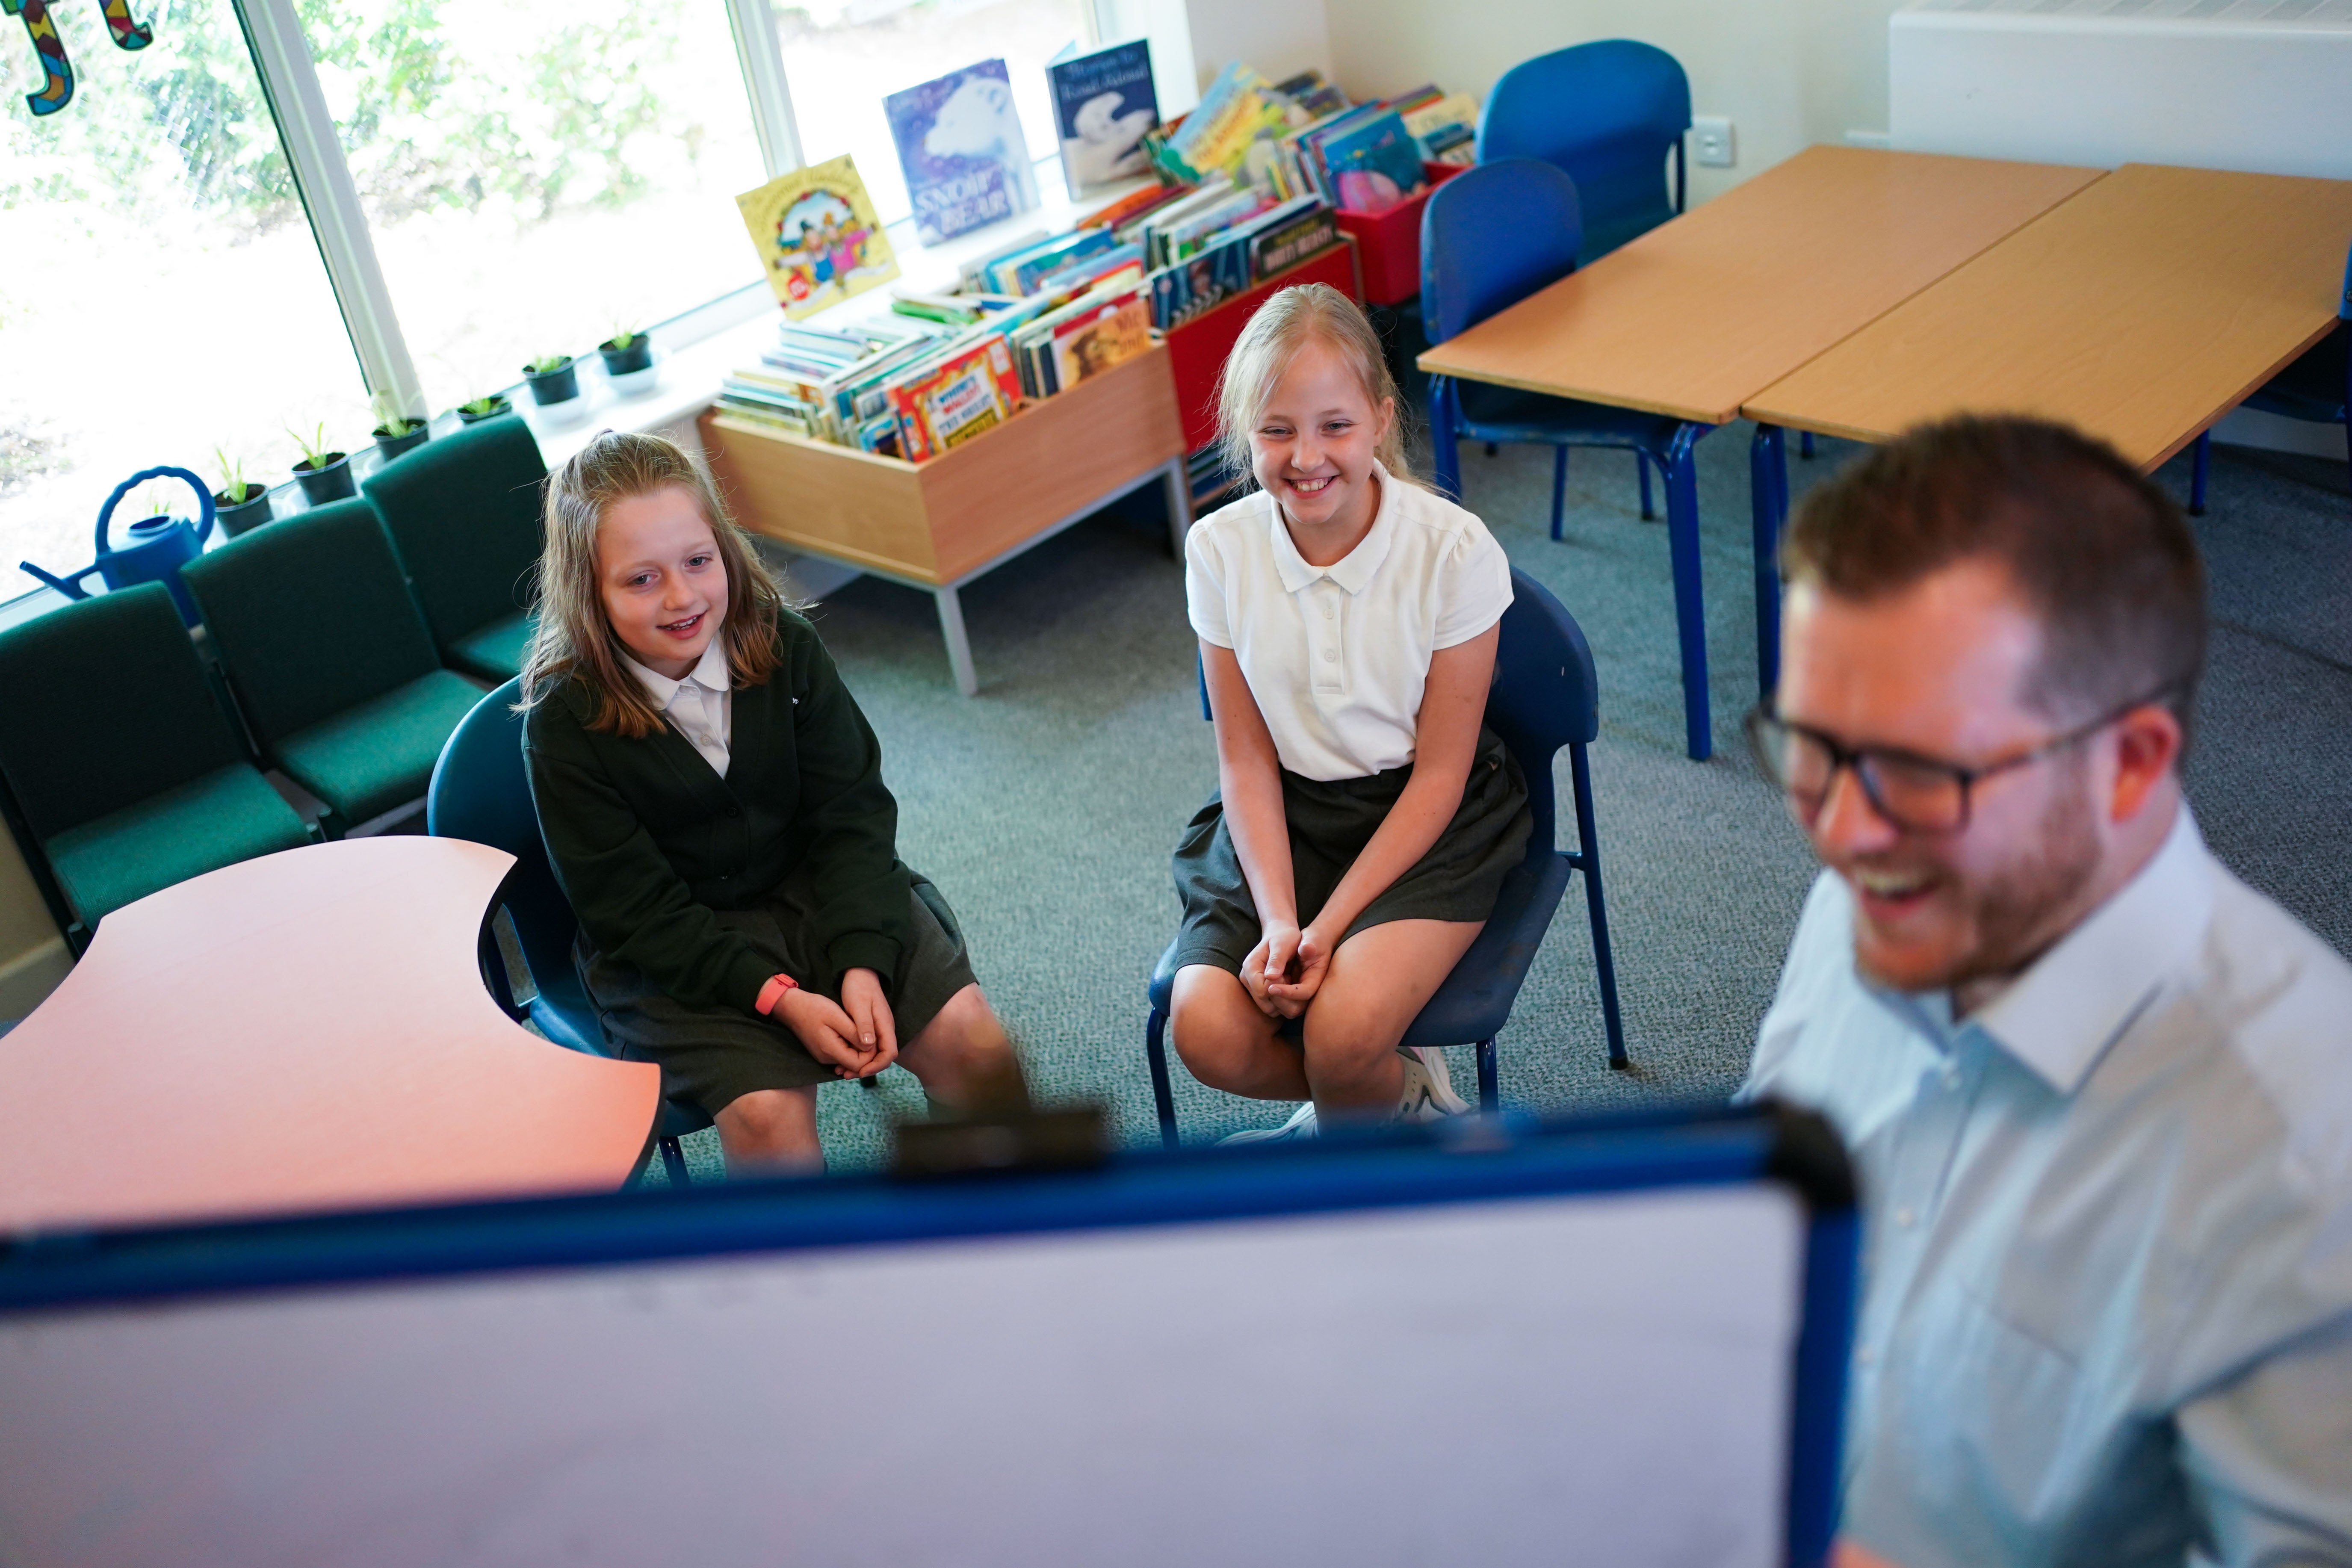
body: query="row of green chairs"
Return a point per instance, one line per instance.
(346, 638)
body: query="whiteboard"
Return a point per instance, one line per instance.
(1533, 1379)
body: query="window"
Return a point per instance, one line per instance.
(164, 295)
(842, 57)
(539, 173)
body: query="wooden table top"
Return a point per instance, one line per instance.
(2139, 311)
(1701, 313)
(304, 1031)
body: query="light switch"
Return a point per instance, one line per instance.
(1711, 142)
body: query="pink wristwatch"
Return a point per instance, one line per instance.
(774, 991)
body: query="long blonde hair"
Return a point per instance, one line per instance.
(574, 637)
(1285, 323)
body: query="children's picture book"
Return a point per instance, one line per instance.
(1103, 103)
(960, 145)
(1447, 129)
(1101, 337)
(972, 390)
(1374, 166)
(818, 239)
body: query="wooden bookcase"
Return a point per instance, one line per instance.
(939, 525)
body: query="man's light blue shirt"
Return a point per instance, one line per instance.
(2107, 1302)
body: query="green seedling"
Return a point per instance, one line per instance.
(315, 450)
(390, 418)
(548, 365)
(232, 473)
(482, 406)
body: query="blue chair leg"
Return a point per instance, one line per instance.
(1805, 445)
(1490, 1094)
(1164, 1096)
(1690, 608)
(1768, 479)
(1558, 493)
(1445, 446)
(674, 1163)
(1596, 908)
(1642, 467)
(1494, 449)
(2197, 466)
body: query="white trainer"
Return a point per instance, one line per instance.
(1300, 1125)
(1428, 1088)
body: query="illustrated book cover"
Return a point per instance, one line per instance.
(959, 144)
(818, 239)
(1103, 104)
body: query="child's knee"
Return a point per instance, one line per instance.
(1344, 1029)
(1214, 1026)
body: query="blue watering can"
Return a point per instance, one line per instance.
(158, 546)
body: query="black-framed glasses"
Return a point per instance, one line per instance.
(1917, 793)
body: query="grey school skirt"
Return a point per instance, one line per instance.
(1330, 823)
(713, 1057)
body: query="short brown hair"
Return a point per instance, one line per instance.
(573, 639)
(2100, 554)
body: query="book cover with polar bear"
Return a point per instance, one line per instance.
(960, 145)
(1103, 103)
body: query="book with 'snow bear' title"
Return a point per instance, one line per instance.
(961, 147)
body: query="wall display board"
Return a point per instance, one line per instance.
(1614, 1341)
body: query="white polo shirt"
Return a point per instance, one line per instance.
(702, 705)
(1337, 656)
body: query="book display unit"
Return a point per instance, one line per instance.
(937, 525)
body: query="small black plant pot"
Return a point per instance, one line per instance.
(236, 517)
(637, 356)
(468, 417)
(393, 446)
(330, 480)
(550, 387)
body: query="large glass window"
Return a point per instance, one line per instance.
(539, 173)
(162, 296)
(842, 57)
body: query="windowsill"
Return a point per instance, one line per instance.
(695, 352)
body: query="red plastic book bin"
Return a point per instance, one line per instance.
(1197, 349)
(1390, 242)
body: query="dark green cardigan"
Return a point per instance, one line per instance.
(647, 841)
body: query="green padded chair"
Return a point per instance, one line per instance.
(464, 513)
(122, 769)
(328, 659)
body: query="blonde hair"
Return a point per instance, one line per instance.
(574, 638)
(1290, 320)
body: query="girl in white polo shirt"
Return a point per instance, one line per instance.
(1364, 818)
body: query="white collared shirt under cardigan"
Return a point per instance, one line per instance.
(701, 703)
(1337, 656)
(2107, 1313)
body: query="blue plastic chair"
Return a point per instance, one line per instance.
(1544, 697)
(481, 792)
(1490, 238)
(2316, 387)
(1610, 114)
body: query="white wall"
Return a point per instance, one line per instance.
(1280, 37)
(1789, 73)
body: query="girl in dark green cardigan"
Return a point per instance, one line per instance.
(713, 805)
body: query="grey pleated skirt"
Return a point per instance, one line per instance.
(1330, 823)
(712, 1056)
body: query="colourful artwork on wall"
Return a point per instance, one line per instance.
(58, 85)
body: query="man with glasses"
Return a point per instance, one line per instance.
(2099, 1091)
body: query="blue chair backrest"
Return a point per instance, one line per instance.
(2344, 305)
(1607, 112)
(1546, 693)
(1492, 235)
(481, 792)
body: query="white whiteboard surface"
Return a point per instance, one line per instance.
(1547, 1380)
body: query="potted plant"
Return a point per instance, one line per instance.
(488, 406)
(553, 379)
(324, 476)
(237, 505)
(627, 352)
(396, 430)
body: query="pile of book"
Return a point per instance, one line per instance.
(1302, 136)
(893, 386)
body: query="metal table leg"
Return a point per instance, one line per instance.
(1768, 492)
(1177, 485)
(958, 645)
(1690, 608)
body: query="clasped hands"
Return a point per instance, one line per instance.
(855, 1037)
(1285, 969)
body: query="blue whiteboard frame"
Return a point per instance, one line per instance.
(1456, 1161)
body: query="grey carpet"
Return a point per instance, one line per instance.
(1046, 807)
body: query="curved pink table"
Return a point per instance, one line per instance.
(304, 1031)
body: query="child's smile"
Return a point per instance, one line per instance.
(663, 585)
(1313, 451)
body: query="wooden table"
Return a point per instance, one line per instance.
(304, 1031)
(2141, 310)
(1698, 315)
